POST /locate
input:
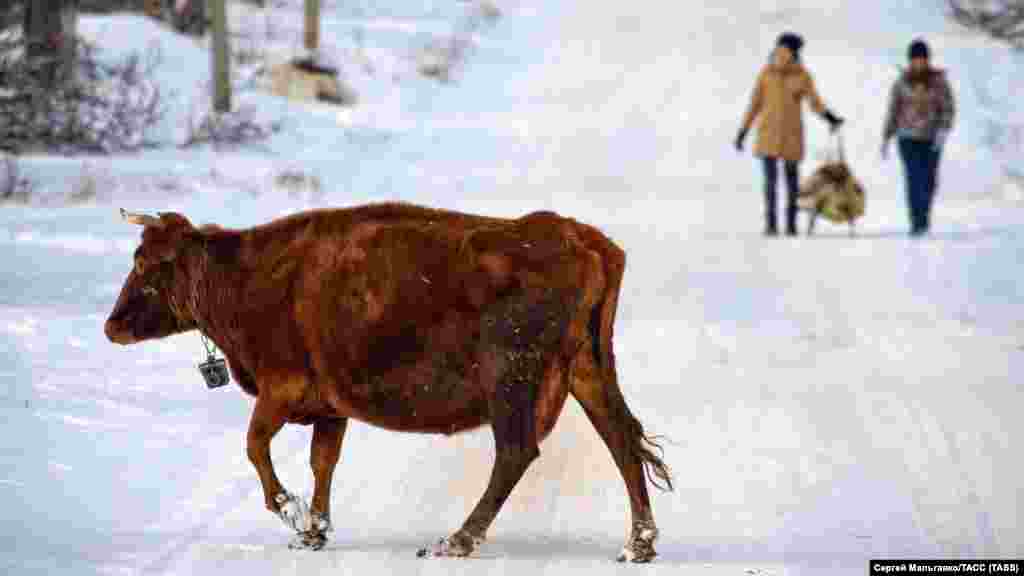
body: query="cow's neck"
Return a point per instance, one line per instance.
(215, 290)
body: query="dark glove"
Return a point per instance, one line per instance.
(739, 139)
(834, 121)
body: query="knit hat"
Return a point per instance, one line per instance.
(791, 41)
(918, 49)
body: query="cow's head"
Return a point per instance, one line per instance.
(147, 308)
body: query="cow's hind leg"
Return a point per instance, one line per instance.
(325, 450)
(520, 351)
(606, 408)
(512, 458)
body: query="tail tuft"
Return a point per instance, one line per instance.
(658, 473)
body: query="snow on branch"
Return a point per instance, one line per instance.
(1001, 19)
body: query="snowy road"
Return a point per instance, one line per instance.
(829, 399)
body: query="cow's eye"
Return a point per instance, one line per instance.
(149, 291)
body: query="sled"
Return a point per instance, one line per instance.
(833, 192)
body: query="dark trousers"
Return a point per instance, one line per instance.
(771, 176)
(921, 167)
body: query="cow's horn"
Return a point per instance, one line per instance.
(140, 219)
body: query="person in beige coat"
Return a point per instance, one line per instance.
(781, 88)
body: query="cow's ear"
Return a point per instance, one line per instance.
(163, 243)
(172, 221)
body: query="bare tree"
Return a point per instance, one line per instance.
(1001, 19)
(220, 63)
(11, 13)
(49, 30)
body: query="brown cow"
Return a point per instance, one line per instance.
(408, 318)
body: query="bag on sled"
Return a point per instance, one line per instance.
(832, 191)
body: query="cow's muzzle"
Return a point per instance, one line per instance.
(118, 334)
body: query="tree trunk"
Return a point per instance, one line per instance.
(69, 44)
(221, 62)
(312, 27)
(50, 27)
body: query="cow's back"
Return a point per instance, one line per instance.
(392, 300)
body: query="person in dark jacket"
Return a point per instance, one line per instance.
(920, 114)
(776, 102)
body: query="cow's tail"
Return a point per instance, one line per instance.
(646, 448)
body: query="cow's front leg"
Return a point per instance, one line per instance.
(267, 419)
(325, 450)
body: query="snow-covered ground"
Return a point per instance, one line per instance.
(829, 399)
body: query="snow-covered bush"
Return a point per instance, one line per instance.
(298, 184)
(227, 129)
(441, 58)
(94, 181)
(106, 106)
(998, 92)
(1002, 19)
(996, 83)
(12, 185)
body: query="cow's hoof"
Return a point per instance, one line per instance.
(308, 541)
(320, 522)
(314, 537)
(293, 512)
(640, 547)
(458, 545)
